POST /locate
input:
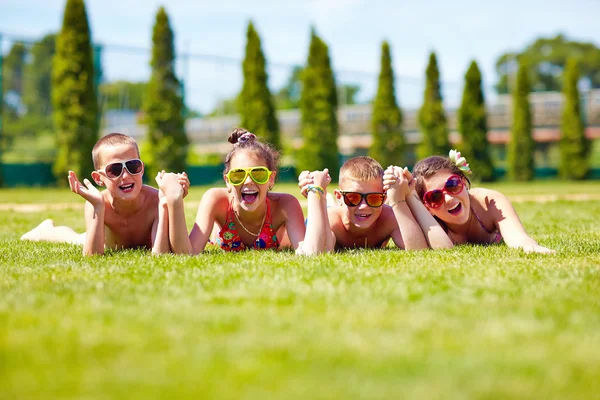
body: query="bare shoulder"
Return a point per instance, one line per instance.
(215, 195)
(150, 192)
(284, 200)
(488, 198)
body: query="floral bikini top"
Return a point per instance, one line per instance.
(230, 240)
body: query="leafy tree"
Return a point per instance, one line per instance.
(574, 147)
(255, 102)
(14, 66)
(318, 108)
(167, 143)
(432, 118)
(386, 121)
(547, 58)
(472, 125)
(73, 96)
(37, 90)
(123, 95)
(519, 160)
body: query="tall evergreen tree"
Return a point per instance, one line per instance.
(167, 143)
(318, 108)
(73, 96)
(520, 153)
(472, 125)
(386, 121)
(255, 102)
(432, 118)
(574, 147)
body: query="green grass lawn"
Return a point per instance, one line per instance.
(471, 322)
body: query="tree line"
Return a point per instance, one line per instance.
(66, 85)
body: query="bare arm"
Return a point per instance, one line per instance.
(174, 191)
(94, 214)
(409, 234)
(160, 229)
(205, 218)
(317, 238)
(509, 224)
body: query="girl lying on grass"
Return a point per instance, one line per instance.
(467, 215)
(247, 213)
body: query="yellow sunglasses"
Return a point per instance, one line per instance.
(238, 176)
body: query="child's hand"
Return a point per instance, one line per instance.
(169, 184)
(321, 178)
(88, 192)
(536, 248)
(395, 183)
(184, 181)
(305, 179)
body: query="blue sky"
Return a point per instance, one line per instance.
(458, 31)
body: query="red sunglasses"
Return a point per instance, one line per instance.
(453, 186)
(353, 199)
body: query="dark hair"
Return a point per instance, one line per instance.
(251, 144)
(429, 166)
(112, 139)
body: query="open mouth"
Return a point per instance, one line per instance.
(362, 217)
(127, 188)
(455, 210)
(249, 196)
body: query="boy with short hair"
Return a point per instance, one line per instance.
(128, 214)
(360, 218)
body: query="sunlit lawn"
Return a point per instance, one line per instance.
(471, 322)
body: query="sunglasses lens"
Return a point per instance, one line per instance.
(259, 175)
(375, 199)
(114, 170)
(134, 166)
(434, 198)
(352, 199)
(236, 176)
(454, 185)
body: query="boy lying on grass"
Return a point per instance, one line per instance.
(128, 214)
(360, 217)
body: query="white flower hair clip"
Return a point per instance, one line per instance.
(461, 162)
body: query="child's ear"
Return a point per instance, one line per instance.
(272, 179)
(338, 196)
(97, 178)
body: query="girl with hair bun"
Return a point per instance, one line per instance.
(247, 213)
(466, 215)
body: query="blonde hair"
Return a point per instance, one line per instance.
(361, 169)
(112, 139)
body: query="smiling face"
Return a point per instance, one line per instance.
(455, 209)
(362, 216)
(126, 186)
(249, 195)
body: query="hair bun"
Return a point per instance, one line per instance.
(235, 135)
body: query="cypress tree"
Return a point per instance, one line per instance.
(73, 96)
(167, 144)
(519, 160)
(386, 121)
(472, 125)
(255, 102)
(574, 147)
(318, 108)
(432, 118)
